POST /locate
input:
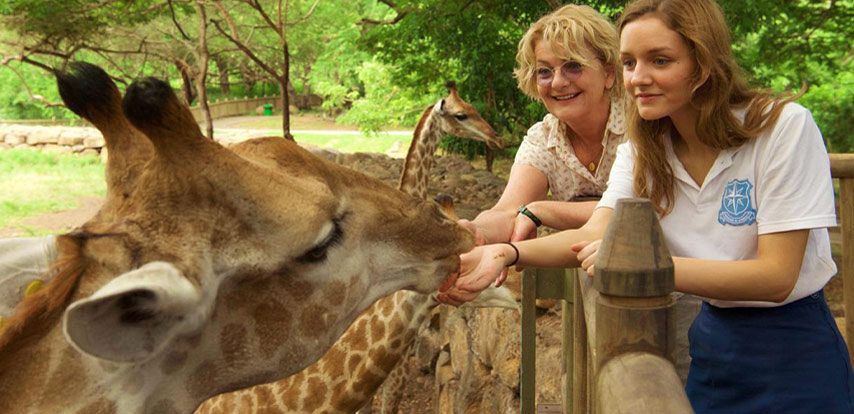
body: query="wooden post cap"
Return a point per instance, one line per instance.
(633, 260)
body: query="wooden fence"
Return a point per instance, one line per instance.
(225, 108)
(219, 109)
(617, 337)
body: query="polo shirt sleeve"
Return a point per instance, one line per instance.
(533, 150)
(621, 179)
(794, 188)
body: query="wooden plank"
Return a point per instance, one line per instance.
(579, 349)
(639, 382)
(550, 283)
(846, 212)
(842, 165)
(528, 377)
(567, 343)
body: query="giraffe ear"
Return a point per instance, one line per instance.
(439, 108)
(135, 315)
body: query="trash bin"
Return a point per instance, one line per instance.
(268, 109)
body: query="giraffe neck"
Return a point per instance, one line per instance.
(419, 159)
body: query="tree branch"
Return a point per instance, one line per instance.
(306, 16)
(175, 21)
(37, 98)
(401, 13)
(246, 51)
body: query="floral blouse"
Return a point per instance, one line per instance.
(547, 148)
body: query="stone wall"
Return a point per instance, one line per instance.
(84, 140)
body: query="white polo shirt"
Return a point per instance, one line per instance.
(778, 182)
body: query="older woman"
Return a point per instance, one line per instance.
(569, 61)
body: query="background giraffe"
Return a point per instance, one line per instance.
(382, 335)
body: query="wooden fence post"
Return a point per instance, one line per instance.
(634, 278)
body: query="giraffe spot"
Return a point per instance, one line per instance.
(173, 362)
(100, 406)
(336, 292)
(395, 344)
(377, 329)
(266, 399)
(387, 307)
(202, 377)
(353, 362)
(333, 362)
(316, 395)
(360, 341)
(314, 321)
(380, 356)
(368, 382)
(271, 319)
(408, 309)
(234, 345)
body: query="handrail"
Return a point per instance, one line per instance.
(842, 168)
(584, 361)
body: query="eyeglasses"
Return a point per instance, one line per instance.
(570, 70)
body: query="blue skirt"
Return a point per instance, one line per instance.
(786, 359)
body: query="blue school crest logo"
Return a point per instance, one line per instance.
(736, 206)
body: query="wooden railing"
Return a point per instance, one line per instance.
(617, 348)
(225, 108)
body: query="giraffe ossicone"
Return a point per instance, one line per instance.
(207, 269)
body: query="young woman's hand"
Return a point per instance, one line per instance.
(479, 268)
(586, 252)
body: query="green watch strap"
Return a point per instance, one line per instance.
(524, 210)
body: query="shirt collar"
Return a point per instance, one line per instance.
(556, 130)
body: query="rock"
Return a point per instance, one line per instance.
(42, 135)
(72, 136)
(15, 139)
(89, 152)
(93, 141)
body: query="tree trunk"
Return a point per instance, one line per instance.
(204, 56)
(187, 87)
(284, 80)
(224, 83)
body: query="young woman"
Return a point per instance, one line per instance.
(742, 184)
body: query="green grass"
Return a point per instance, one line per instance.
(34, 182)
(381, 142)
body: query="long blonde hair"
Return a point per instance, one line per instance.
(718, 86)
(571, 31)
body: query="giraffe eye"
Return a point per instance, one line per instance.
(318, 253)
(461, 117)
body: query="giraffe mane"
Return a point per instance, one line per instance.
(34, 315)
(421, 121)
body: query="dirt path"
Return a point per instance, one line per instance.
(57, 222)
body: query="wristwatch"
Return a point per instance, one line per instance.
(524, 210)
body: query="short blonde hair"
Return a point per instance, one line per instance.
(573, 32)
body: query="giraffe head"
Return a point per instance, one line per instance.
(461, 119)
(221, 269)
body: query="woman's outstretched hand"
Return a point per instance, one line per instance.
(586, 252)
(479, 268)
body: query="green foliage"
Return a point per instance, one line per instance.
(16, 103)
(384, 102)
